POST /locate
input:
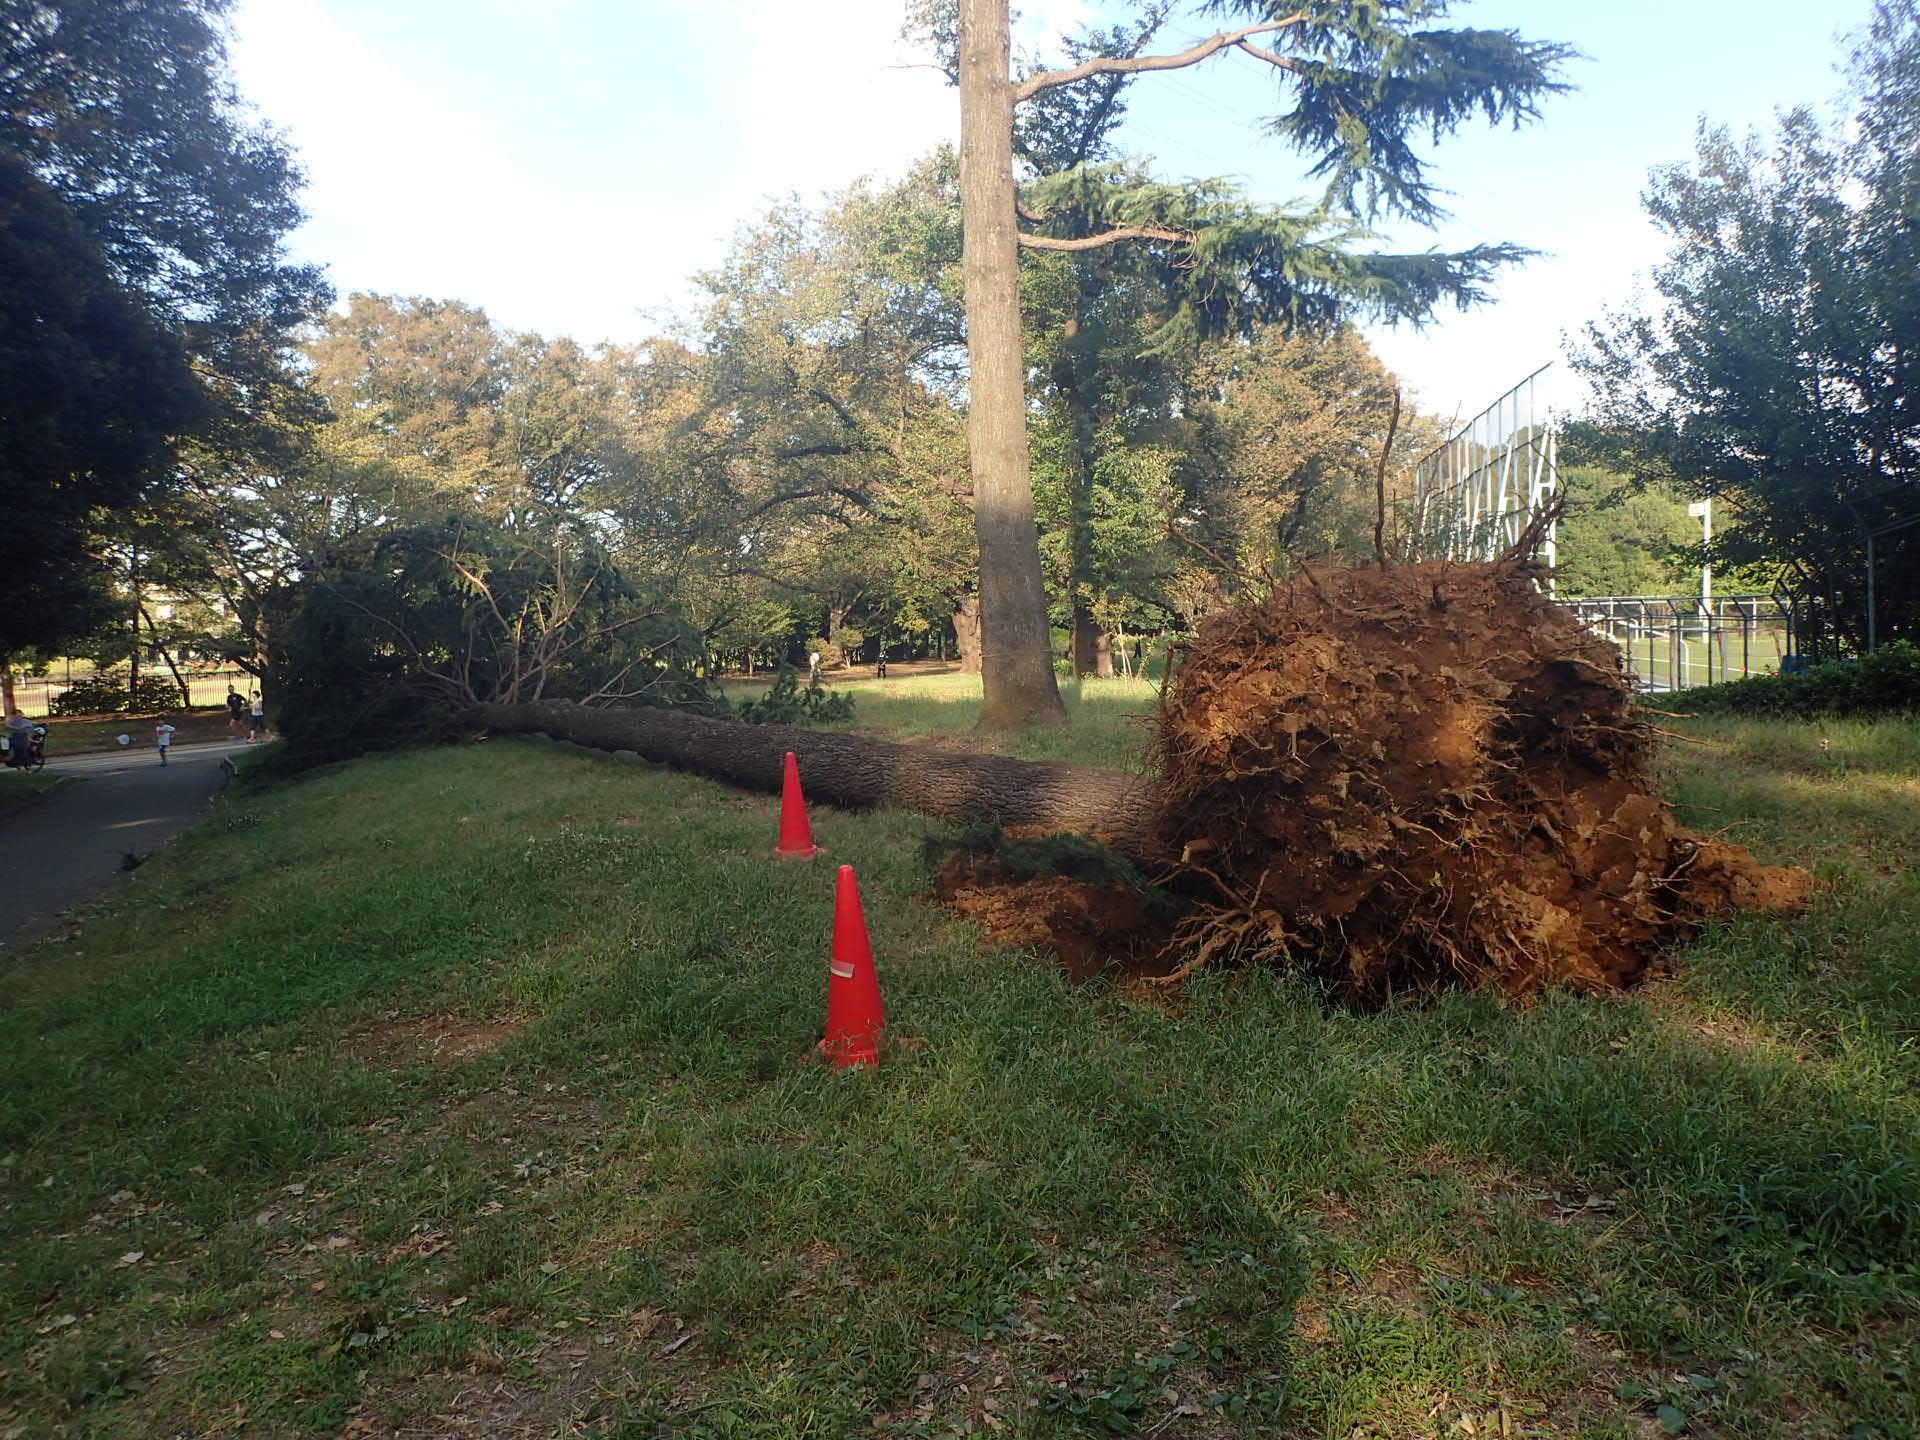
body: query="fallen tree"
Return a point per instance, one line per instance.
(859, 772)
(1397, 777)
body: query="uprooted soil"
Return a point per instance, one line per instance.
(1399, 778)
(1092, 929)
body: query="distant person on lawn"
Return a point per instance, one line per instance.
(256, 719)
(236, 710)
(162, 736)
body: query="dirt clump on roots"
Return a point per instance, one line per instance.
(1428, 774)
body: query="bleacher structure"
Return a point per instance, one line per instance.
(1475, 493)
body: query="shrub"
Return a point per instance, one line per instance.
(1883, 682)
(106, 693)
(788, 704)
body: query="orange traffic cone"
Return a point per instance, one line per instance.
(855, 1017)
(796, 836)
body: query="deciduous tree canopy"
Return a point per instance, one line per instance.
(141, 215)
(1781, 367)
(91, 392)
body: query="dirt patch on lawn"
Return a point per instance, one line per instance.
(562, 1385)
(394, 1043)
(1121, 1344)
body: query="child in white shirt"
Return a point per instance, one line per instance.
(163, 737)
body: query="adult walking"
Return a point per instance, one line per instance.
(19, 740)
(236, 712)
(256, 719)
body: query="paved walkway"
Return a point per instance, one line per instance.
(67, 849)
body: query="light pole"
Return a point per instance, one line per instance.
(1703, 512)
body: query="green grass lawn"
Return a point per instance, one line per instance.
(1694, 662)
(80, 734)
(20, 788)
(470, 1092)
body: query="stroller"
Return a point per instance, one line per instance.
(36, 751)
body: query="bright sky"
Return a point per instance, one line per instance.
(568, 164)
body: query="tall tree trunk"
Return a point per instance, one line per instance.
(966, 633)
(1081, 644)
(1103, 654)
(1017, 657)
(858, 771)
(836, 618)
(1086, 637)
(186, 691)
(133, 649)
(6, 688)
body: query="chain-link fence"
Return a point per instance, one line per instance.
(1671, 643)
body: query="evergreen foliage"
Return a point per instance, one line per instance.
(1228, 264)
(1885, 681)
(1368, 83)
(91, 391)
(145, 298)
(126, 109)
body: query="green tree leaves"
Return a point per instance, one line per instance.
(1780, 369)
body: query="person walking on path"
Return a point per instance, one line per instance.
(236, 710)
(256, 719)
(813, 667)
(162, 737)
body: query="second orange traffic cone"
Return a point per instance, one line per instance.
(855, 1017)
(796, 836)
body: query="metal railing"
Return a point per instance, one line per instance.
(35, 694)
(1672, 643)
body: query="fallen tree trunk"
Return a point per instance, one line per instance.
(858, 772)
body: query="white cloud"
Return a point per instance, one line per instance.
(572, 166)
(822, 104)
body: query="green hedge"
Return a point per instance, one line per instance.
(1886, 681)
(106, 694)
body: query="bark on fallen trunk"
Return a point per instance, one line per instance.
(857, 772)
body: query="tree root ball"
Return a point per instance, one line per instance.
(1427, 774)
